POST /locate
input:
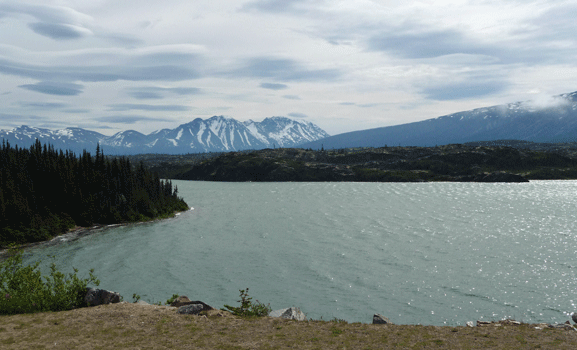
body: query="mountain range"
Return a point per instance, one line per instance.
(216, 134)
(553, 120)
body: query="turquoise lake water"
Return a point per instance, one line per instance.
(428, 253)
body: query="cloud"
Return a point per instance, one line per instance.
(464, 90)
(130, 119)
(298, 115)
(280, 6)
(426, 44)
(281, 70)
(58, 31)
(144, 93)
(56, 22)
(145, 107)
(347, 103)
(44, 105)
(162, 63)
(291, 97)
(272, 86)
(55, 88)
(542, 101)
(77, 110)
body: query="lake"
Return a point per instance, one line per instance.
(428, 253)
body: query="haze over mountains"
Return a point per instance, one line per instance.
(551, 120)
(216, 134)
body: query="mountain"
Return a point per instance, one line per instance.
(216, 134)
(554, 120)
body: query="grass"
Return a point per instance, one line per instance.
(130, 326)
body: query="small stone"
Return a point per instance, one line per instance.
(380, 319)
(291, 313)
(470, 324)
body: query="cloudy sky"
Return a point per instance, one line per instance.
(343, 65)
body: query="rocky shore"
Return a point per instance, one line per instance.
(183, 305)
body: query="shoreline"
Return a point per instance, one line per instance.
(79, 231)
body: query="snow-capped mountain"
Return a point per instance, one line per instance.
(216, 134)
(549, 120)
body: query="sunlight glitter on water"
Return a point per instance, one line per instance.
(429, 253)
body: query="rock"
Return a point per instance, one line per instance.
(561, 326)
(291, 313)
(181, 301)
(95, 297)
(574, 317)
(186, 306)
(184, 301)
(380, 319)
(142, 302)
(192, 309)
(470, 324)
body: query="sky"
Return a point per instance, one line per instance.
(349, 65)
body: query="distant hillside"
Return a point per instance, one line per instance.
(554, 121)
(216, 134)
(387, 164)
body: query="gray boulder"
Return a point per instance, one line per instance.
(291, 313)
(380, 319)
(188, 307)
(574, 317)
(95, 297)
(192, 309)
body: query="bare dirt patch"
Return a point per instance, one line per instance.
(131, 326)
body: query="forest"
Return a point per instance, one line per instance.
(44, 192)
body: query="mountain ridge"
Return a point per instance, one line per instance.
(553, 120)
(215, 134)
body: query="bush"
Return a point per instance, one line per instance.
(247, 307)
(24, 290)
(171, 299)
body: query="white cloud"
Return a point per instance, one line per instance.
(398, 61)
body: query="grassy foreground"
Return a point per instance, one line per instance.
(132, 326)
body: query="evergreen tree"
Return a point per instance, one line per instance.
(44, 192)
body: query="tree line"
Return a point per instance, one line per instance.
(45, 192)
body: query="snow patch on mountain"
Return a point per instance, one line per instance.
(216, 134)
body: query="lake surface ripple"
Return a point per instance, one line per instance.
(428, 253)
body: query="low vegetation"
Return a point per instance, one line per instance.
(248, 308)
(23, 289)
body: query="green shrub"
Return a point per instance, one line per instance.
(24, 290)
(248, 307)
(171, 299)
